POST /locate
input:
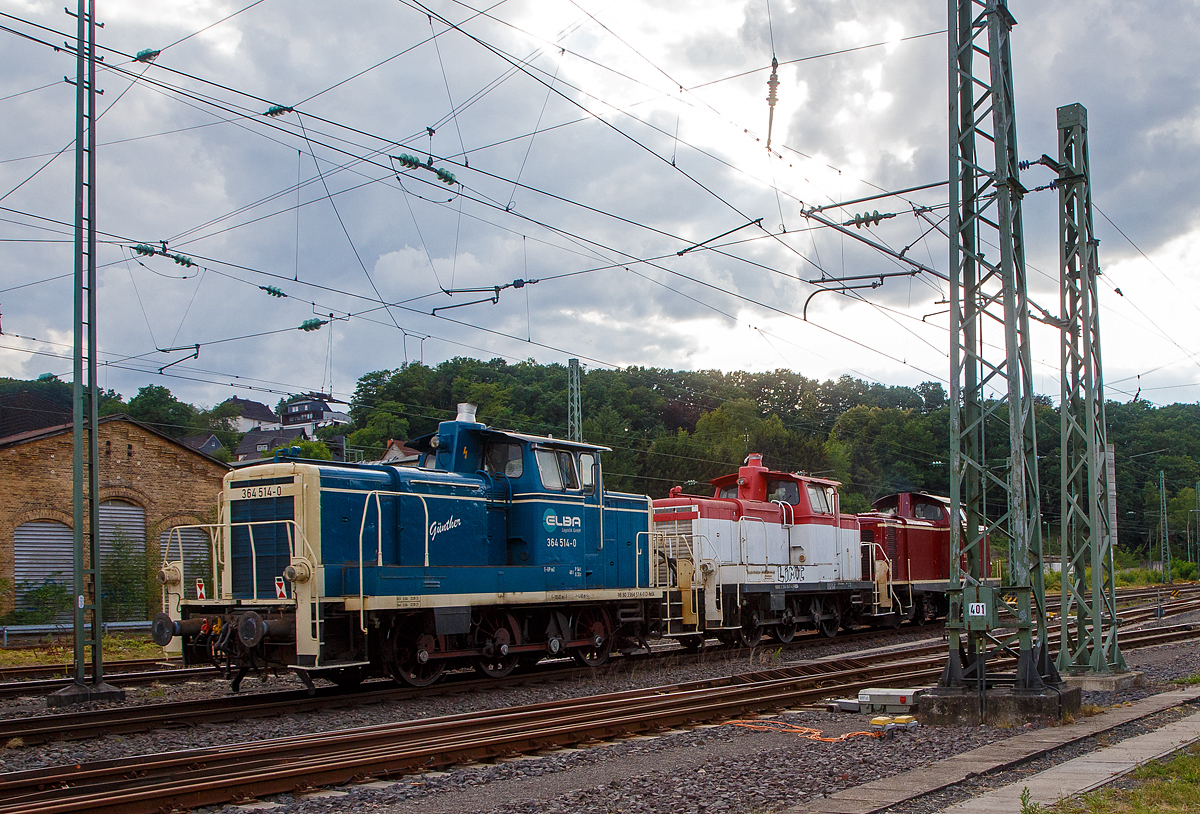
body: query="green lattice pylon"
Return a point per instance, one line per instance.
(995, 499)
(1088, 636)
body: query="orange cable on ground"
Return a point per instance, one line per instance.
(811, 734)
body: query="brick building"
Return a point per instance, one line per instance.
(149, 484)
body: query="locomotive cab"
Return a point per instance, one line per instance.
(768, 552)
(501, 548)
(910, 533)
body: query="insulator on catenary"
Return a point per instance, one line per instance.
(772, 97)
(868, 219)
(272, 290)
(147, 55)
(277, 110)
(312, 324)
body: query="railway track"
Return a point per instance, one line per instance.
(43, 671)
(199, 777)
(45, 686)
(80, 725)
(118, 669)
(141, 718)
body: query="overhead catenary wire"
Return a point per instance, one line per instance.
(342, 223)
(361, 131)
(747, 299)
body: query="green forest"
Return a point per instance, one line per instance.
(668, 427)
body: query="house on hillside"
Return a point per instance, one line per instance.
(257, 443)
(252, 415)
(207, 443)
(152, 489)
(399, 454)
(311, 413)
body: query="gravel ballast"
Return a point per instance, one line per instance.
(710, 769)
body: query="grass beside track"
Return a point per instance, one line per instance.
(1163, 787)
(116, 646)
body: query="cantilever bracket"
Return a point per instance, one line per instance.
(195, 355)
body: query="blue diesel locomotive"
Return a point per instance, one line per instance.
(498, 549)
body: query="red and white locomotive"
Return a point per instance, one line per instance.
(771, 552)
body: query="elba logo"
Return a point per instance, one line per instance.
(553, 522)
(436, 528)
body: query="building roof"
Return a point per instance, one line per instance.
(204, 443)
(397, 452)
(272, 438)
(50, 432)
(24, 411)
(253, 410)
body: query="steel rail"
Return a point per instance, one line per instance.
(47, 685)
(31, 671)
(94, 723)
(222, 774)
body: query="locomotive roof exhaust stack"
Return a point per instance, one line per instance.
(466, 412)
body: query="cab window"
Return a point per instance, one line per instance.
(504, 459)
(818, 499)
(930, 511)
(566, 469)
(557, 469)
(783, 491)
(587, 472)
(728, 492)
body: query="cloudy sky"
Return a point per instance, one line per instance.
(590, 144)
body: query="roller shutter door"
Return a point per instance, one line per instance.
(43, 551)
(118, 518)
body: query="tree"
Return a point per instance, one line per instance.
(111, 402)
(313, 450)
(220, 421)
(154, 405)
(933, 395)
(44, 602)
(125, 579)
(378, 427)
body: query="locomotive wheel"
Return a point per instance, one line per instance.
(500, 630)
(826, 616)
(750, 633)
(593, 624)
(785, 631)
(916, 613)
(925, 610)
(403, 651)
